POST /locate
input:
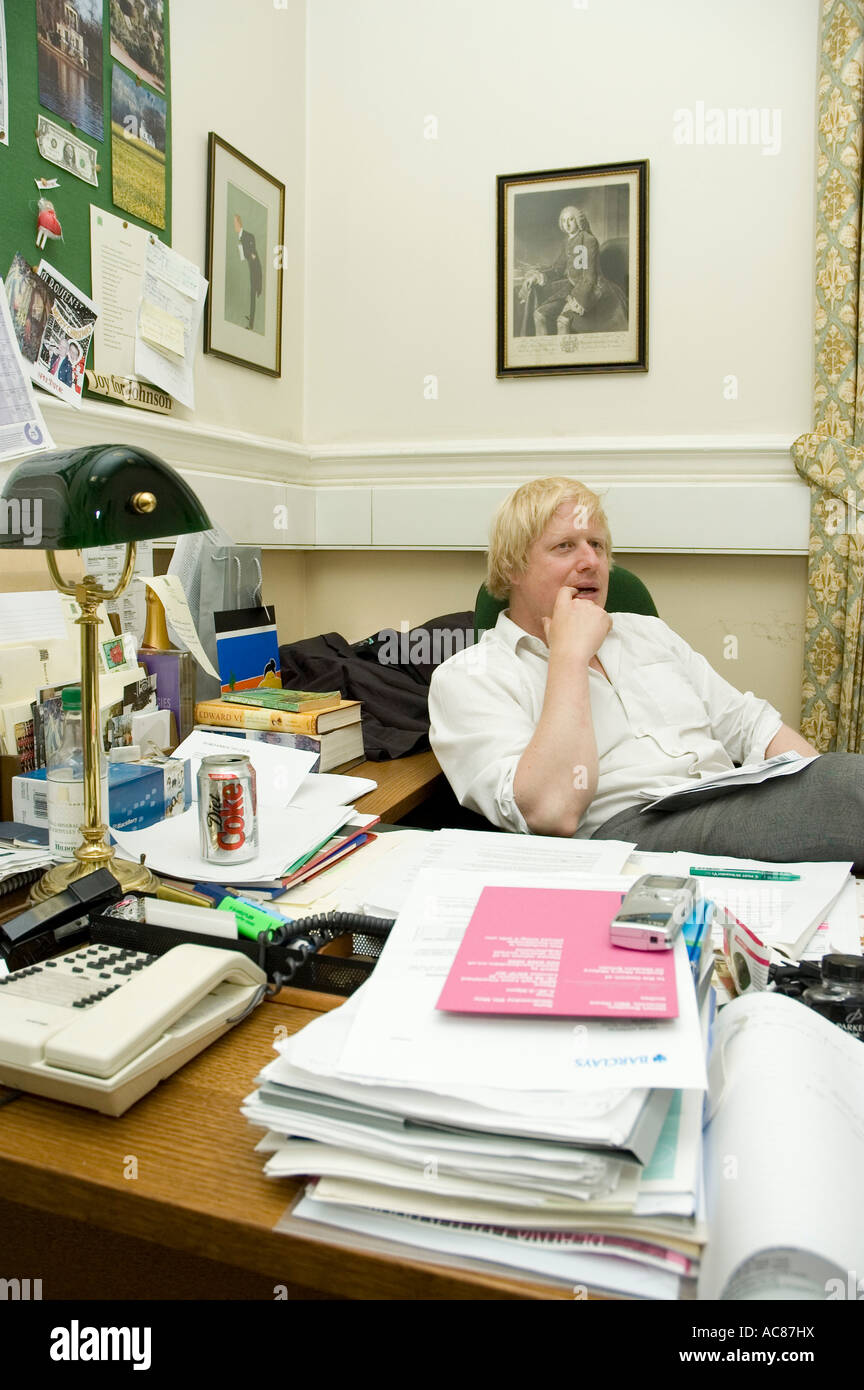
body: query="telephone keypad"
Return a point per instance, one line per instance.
(77, 980)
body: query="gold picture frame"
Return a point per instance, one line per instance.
(245, 253)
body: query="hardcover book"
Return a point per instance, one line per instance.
(295, 701)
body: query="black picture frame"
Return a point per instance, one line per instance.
(543, 326)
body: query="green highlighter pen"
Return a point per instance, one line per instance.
(745, 873)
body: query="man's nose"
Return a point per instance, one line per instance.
(586, 556)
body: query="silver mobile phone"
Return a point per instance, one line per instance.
(653, 912)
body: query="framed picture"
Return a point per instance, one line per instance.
(245, 248)
(572, 270)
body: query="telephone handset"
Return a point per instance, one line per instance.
(102, 1025)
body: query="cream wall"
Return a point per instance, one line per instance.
(401, 242)
(390, 258)
(240, 70)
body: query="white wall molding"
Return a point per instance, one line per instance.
(678, 494)
(182, 443)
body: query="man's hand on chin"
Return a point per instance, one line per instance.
(577, 627)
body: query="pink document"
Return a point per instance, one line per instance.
(547, 951)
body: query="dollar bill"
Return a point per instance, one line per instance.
(69, 151)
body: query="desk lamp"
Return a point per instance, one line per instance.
(105, 494)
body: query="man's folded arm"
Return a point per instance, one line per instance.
(556, 779)
(537, 779)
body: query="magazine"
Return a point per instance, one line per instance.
(65, 342)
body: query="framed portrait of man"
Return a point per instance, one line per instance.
(573, 270)
(245, 252)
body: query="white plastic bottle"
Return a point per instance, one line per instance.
(65, 781)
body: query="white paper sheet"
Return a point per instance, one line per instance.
(22, 429)
(173, 846)
(278, 771)
(168, 588)
(29, 617)
(106, 562)
(118, 251)
(169, 321)
(400, 1038)
(693, 790)
(310, 1060)
(780, 912)
(485, 852)
(173, 268)
(841, 931)
(321, 789)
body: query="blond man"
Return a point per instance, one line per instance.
(567, 720)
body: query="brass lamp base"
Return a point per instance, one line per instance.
(133, 878)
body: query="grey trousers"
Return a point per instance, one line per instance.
(816, 814)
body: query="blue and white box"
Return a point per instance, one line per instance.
(139, 794)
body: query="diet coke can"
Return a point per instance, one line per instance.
(227, 808)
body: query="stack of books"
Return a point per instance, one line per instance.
(315, 722)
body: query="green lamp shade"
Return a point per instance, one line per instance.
(78, 498)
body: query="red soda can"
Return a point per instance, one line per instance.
(227, 808)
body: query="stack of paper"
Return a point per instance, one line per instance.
(21, 860)
(520, 1142)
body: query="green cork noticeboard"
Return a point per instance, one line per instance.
(52, 46)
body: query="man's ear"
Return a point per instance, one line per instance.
(512, 578)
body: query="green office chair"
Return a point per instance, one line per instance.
(627, 594)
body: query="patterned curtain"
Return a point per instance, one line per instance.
(831, 458)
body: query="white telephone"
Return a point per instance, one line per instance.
(102, 1025)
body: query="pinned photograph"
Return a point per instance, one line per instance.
(138, 38)
(60, 361)
(139, 121)
(572, 270)
(69, 34)
(30, 301)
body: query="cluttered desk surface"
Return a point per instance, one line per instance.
(180, 1168)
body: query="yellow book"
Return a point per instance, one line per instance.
(255, 717)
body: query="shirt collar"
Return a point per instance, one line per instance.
(512, 635)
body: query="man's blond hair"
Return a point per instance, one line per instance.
(523, 517)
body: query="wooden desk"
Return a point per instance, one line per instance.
(169, 1201)
(403, 783)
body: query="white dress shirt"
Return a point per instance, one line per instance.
(662, 716)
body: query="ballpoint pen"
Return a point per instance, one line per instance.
(745, 873)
